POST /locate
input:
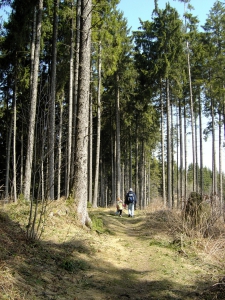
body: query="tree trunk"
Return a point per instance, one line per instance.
(196, 157)
(90, 151)
(52, 105)
(201, 147)
(76, 74)
(42, 132)
(122, 181)
(30, 144)
(136, 164)
(180, 200)
(102, 185)
(70, 109)
(220, 161)
(118, 162)
(172, 157)
(98, 129)
(113, 200)
(60, 146)
(115, 171)
(8, 154)
(192, 120)
(32, 51)
(14, 137)
(81, 160)
(162, 147)
(145, 182)
(169, 163)
(185, 155)
(21, 160)
(214, 171)
(149, 180)
(130, 162)
(177, 165)
(142, 177)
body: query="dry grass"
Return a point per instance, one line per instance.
(213, 246)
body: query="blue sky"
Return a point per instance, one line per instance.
(135, 9)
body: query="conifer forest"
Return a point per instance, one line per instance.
(90, 108)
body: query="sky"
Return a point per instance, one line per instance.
(135, 9)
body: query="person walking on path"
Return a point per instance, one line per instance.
(131, 201)
(119, 206)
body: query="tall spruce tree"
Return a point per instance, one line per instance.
(160, 47)
(81, 154)
(33, 105)
(214, 43)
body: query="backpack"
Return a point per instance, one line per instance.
(130, 198)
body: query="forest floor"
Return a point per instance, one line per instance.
(145, 257)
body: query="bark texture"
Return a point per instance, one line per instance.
(81, 158)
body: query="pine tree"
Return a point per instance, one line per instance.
(81, 160)
(30, 147)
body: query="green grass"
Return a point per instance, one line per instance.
(74, 266)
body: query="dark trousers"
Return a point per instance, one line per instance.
(120, 212)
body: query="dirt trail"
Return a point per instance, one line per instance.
(138, 262)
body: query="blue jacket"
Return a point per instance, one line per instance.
(127, 195)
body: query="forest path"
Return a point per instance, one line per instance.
(138, 258)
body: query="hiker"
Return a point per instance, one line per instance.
(119, 206)
(131, 201)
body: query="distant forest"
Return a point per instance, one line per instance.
(89, 109)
